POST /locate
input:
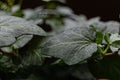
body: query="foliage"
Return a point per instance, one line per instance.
(47, 39)
(11, 8)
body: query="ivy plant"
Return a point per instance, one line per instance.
(53, 37)
(11, 8)
(77, 44)
(15, 33)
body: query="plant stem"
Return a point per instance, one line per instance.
(107, 48)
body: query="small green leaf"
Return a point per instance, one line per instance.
(7, 49)
(99, 37)
(93, 27)
(116, 44)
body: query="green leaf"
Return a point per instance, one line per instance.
(7, 49)
(113, 27)
(116, 44)
(18, 26)
(56, 23)
(22, 41)
(105, 27)
(11, 28)
(114, 37)
(32, 52)
(57, 19)
(72, 45)
(16, 11)
(33, 58)
(6, 39)
(4, 6)
(99, 37)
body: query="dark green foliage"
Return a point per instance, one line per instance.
(108, 67)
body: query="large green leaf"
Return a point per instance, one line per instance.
(18, 26)
(72, 45)
(11, 28)
(6, 39)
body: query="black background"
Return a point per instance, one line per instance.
(107, 9)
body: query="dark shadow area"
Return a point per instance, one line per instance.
(106, 9)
